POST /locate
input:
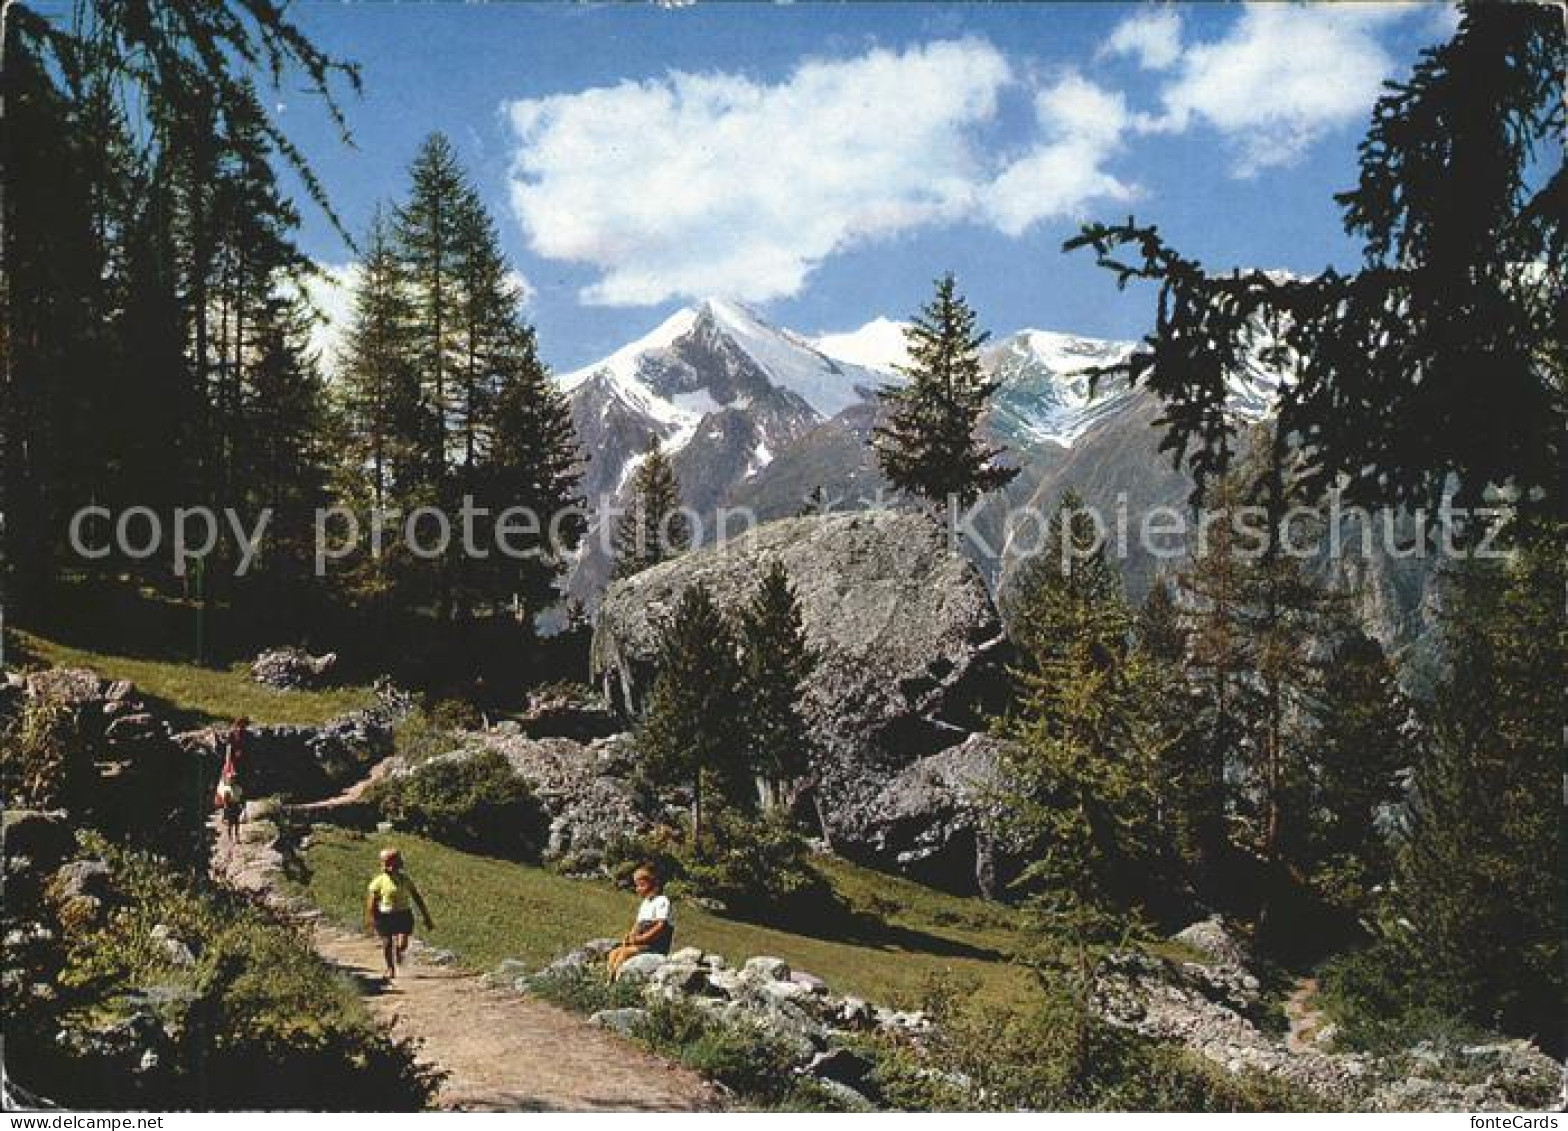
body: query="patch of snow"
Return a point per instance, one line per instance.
(879, 345)
(790, 361)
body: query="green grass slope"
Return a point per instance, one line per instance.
(199, 694)
(895, 938)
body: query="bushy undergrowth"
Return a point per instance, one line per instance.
(754, 868)
(44, 763)
(744, 1058)
(1379, 1008)
(420, 736)
(1058, 1056)
(175, 996)
(584, 989)
(474, 801)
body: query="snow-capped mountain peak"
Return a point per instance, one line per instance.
(879, 345)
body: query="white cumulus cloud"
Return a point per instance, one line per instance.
(1282, 76)
(1152, 36)
(711, 183)
(1083, 124)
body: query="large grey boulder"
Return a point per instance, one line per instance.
(932, 817)
(583, 787)
(911, 648)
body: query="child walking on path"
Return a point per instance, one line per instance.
(655, 925)
(389, 904)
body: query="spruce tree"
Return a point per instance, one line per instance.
(689, 736)
(653, 528)
(1254, 618)
(928, 444)
(283, 462)
(1183, 770)
(1456, 192)
(776, 662)
(1068, 574)
(533, 462)
(427, 230)
(1361, 746)
(1479, 876)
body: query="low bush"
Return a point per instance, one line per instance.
(744, 1058)
(755, 868)
(44, 760)
(1379, 1007)
(471, 801)
(584, 989)
(1060, 1056)
(418, 737)
(452, 715)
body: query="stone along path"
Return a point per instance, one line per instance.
(500, 1051)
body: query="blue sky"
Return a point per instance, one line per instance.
(825, 162)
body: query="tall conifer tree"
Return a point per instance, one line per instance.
(928, 444)
(690, 733)
(653, 528)
(776, 662)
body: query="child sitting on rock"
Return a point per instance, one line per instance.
(655, 926)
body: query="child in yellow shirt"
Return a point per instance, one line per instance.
(389, 903)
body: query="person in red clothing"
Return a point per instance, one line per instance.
(232, 780)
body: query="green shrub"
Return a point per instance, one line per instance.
(584, 989)
(1061, 1056)
(744, 1058)
(419, 737)
(455, 715)
(44, 760)
(472, 801)
(753, 868)
(1379, 1005)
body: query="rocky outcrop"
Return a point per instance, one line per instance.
(566, 712)
(290, 668)
(796, 1010)
(584, 788)
(931, 817)
(306, 763)
(1215, 1007)
(910, 650)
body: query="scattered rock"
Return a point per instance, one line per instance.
(680, 979)
(764, 968)
(567, 712)
(841, 1064)
(82, 878)
(640, 967)
(623, 1021)
(811, 982)
(851, 1099)
(1210, 939)
(292, 668)
(173, 947)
